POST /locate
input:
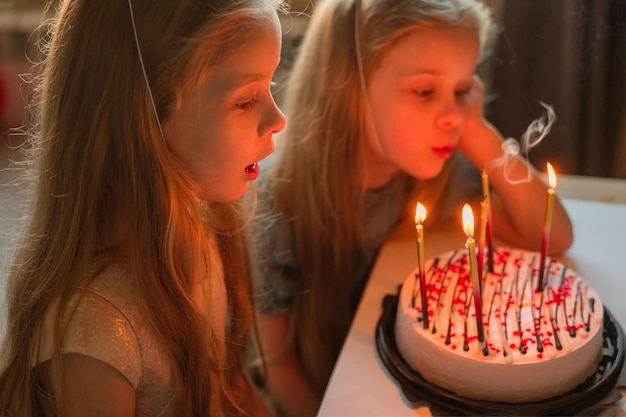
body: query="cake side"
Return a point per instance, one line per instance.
(537, 344)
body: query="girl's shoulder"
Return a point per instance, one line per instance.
(100, 321)
(103, 321)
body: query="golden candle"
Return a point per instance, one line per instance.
(420, 216)
(545, 239)
(488, 220)
(470, 244)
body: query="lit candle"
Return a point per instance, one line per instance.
(420, 216)
(488, 220)
(470, 244)
(545, 240)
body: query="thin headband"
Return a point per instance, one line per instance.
(143, 69)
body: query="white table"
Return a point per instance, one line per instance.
(361, 385)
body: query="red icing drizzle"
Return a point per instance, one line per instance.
(556, 297)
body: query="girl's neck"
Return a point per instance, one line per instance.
(378, 171)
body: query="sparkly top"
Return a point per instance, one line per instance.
(107, 326)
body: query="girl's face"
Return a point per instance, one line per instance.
(225, 127)
(419, 96)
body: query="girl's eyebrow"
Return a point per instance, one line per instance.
(408, 74)
(416, 72)
(251, 77)
(410, 71)
(240, 81)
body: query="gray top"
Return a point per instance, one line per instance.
(276, 276)
(276, 272)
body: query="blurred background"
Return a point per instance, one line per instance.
(570, 54)
(18, 20)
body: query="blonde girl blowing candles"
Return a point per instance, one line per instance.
(130, 291)
(384, 108)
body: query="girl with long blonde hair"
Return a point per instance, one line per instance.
(384, 108)
(130, 291)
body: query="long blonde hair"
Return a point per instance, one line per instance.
(318, 175)
(105, 181)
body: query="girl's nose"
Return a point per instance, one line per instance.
(273, 120)
(450, 116)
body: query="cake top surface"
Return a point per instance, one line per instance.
(520, 322)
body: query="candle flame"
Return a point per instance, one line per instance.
(468, 220)
(551, 176)
(420, 213)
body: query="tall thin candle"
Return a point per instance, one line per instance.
(420, 216)
(470, 244)
(482, 231)
(545, 240)
(488, 220)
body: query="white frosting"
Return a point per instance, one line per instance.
(512, 310)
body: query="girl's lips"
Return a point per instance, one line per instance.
(444, 152)
(252, 171)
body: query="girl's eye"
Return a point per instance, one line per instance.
(424, 93)
(246, 105)
(463, 92)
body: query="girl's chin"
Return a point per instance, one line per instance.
(427, 173)
(232, 195)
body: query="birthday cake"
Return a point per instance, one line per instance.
(536, 341)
